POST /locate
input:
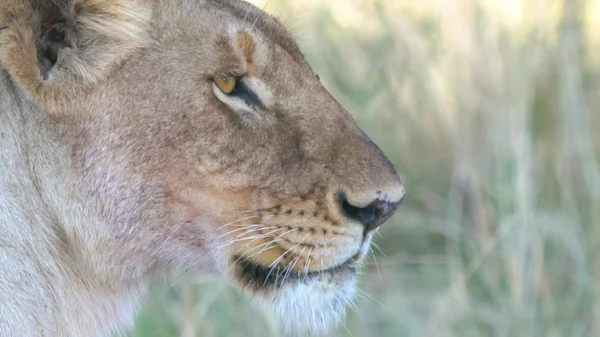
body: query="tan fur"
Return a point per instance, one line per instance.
(246, 43)
(125, 160)
(108, 31)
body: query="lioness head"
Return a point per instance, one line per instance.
(195, 134)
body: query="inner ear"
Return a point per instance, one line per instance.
(52, 38)
(49, 46)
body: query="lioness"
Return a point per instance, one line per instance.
(137, 136)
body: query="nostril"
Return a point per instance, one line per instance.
(363, 215)
(371, 216)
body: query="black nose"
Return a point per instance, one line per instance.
(371, 216)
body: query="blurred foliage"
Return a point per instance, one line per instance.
(488, 110)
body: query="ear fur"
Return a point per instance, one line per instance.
(55, 48)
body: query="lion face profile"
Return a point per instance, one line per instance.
(145, 135)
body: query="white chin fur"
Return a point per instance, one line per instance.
(313, 306)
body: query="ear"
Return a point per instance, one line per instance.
(55, 48)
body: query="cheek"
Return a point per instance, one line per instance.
(210, 209)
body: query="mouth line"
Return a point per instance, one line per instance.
(261, 276)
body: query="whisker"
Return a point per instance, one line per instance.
(267, 4)
(262, 227)
(322, 267)
(288, 250)
(267, 235)
(274, 240)
(306, 264)
(234, 240)
(281, 257)
(256, 237)
(238, 220)
(293, 264)
(376, 246)
(260, 251)
(376, 265)
(252, 239)
(369, 297)
(254, 23)
(354, 307)
(237, 230)
(246, 16)
(343, 325)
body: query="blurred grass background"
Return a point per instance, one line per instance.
(489, 110)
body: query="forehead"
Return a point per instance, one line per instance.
(249, 17)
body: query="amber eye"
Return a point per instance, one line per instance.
(226, 84)
(236, 87)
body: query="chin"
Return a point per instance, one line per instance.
(313, 302)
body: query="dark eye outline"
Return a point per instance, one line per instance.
(242, 91)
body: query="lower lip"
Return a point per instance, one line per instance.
(264, 277)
